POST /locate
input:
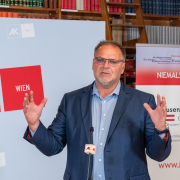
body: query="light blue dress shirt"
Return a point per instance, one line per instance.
(102, 112)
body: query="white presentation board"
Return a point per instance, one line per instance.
(50, 57)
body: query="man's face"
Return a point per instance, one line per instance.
(105, 74)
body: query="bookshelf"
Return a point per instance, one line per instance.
(34, 11)
(138, 20)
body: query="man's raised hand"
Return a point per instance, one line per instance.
(31, 111)
(158, 115)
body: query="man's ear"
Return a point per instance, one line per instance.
(123, 68)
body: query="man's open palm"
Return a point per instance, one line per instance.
(158, 115)
(31, 111)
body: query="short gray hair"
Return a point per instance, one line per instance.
(112, 43)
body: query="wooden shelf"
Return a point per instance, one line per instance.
(115, 13)
(128, 25)
(30, 8)
(122, 4)
(129, 47)
(131, 77)
(130, 70)
(160, 17)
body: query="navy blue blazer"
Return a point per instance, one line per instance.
(131, 135)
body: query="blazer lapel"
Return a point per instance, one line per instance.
(122, 102)
(86, 101)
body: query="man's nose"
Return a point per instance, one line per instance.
(106, 64)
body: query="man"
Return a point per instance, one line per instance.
(123, 127)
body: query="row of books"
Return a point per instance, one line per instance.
(9, 14)
(132, 33)
(157, 34)
(25, 15)
(26, 3)
(129, 9)
(163, 35)
(161, 7)
(89, 5)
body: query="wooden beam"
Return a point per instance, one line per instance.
(105, 17)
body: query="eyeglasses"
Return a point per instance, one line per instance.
(112, 62)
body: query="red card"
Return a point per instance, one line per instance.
(18, 81)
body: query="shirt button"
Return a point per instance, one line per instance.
(99, 175)
(101, 144)
(103, 129)
(99, 159)
(104, 114)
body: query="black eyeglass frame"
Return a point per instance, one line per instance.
(109, 60)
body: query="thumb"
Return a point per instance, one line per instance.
(148, 108)
(43, 102)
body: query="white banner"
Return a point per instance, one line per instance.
(158, 71)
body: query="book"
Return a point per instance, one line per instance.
(167, 34)
(12, 3)
(129, 64)
(34, 3)
(150, 6)
(161, 34)
(164, 35)
(51, 3)
(55, 3)
(147, 6)
(27, 3)
(171, 7)
(164, 7)
(92, 5)
(119, 8)
(154, 7)
(46, 3)
(8, 2)
(161, 7)
(143, 6)
(88, 5)
(157, 7)
(168, 7)
(117, 30)
(85, 5)
(154, 41)
(69, 4)
(96, 5)
(114, 7)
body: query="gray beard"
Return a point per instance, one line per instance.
(105, 84)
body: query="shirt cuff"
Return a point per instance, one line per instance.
(162, 136)
(33, 132)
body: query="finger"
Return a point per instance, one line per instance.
(43, 103)
(148, 108)
(163, 101)
(26, 100)
(164, 112)
(158, 100)
(25, 110)
(31, 97)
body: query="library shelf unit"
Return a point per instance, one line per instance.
(102, 15)
(31, 11)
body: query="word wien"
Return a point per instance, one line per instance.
(21, 88)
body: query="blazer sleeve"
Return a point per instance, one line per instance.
(52, 140)
(156, 148)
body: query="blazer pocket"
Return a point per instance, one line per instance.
(141, 177)
(66, 176)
